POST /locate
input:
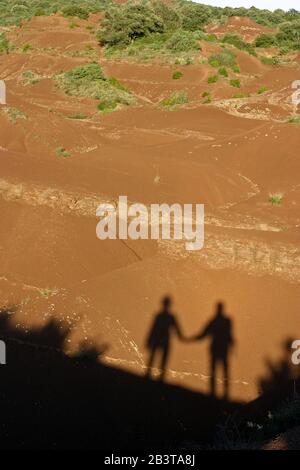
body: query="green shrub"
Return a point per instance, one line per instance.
(223, 72)
(241, 95)
(75, 10)
(77, 116)
(124, 23)
(284, 50)
(223, 59)
(275, 198)
(177, 48)
(62, 152)
(235, 68)
(289, 35)
(106, 106)
(176, 75)
(294, 120)
(265, 40)
(169, 16)
(89, 80)
(182, 41)
(194, 16)
(207, 97)
(236, 41)
(28, 77)
(211, 38)
(27, 47)
(270, 60)
(73, 25)
(235, 83)
(262, 90)
(90, 72)
(5, 46)
(177, 98)
(212, 79)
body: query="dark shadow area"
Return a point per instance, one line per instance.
(165, 326)
(277, 410)
(50, 400)
(281, 380)
(219, 332)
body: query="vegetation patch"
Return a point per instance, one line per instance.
(266, 40)
(223, 72)
(27, 47)
(294, 119)
(14, 12)
(176, 99)
(5, 45)
(236, 41)
(177, 75)
(62, 152)
(212, 79)
(240, 95)
(75, 11)
(235, 83)
(29, 77)
(207, 97)
(14, 114)
(223, 59)
(274, 60)
(77, 116)
(262, 90)
(179, 47)
(275, 199)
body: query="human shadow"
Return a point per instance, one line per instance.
(280, 381)
(219, 330)
(158, 342)
(277, 407)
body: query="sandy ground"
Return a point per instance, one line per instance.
(229, 155)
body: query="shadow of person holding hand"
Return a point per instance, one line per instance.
(219, 330)
(158, 341)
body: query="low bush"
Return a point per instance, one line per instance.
(223, 72)
(125, 23)
(212, 79)
(265, 40)
(29, 77)
(207, 97)
(5, 46)
(182, 41)
(294, 120)
(270, 60)
(235, 83)
(62, 152)
(75, 11)
(179, 48)
(262, 90)
(236, 41)
(176, 99)
(222, 59)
